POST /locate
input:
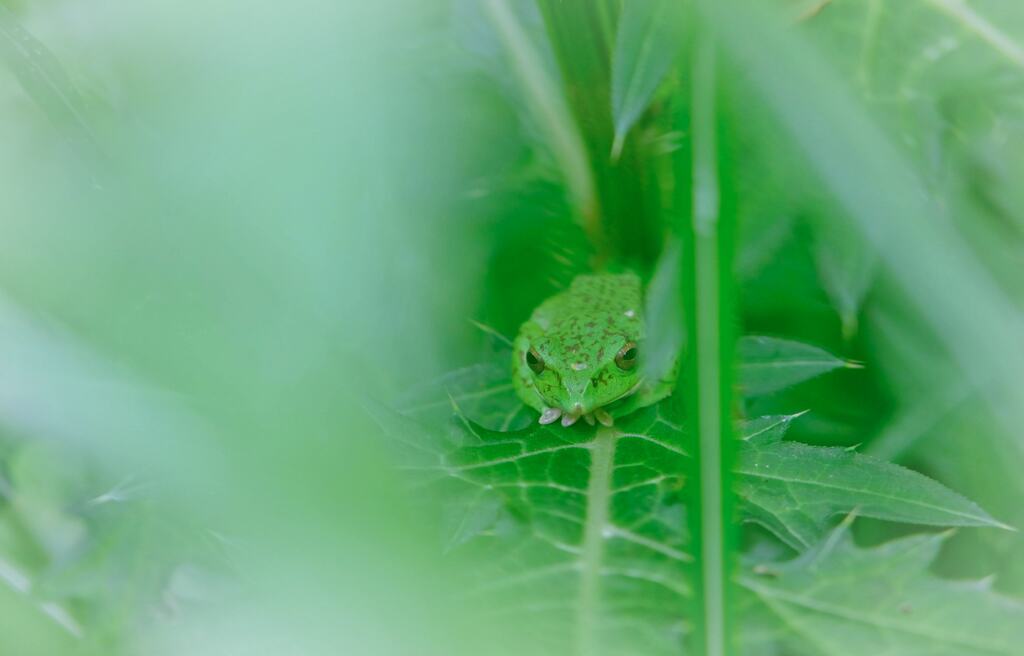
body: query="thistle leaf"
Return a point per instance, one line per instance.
(842, 600)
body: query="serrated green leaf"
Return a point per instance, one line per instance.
(594, 518)
(649, 37)
(483, 392)
(598, 525)
(841, 600)
(765, 430)
(769, 364)
(793, 490)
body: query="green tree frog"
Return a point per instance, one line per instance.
(579, 353)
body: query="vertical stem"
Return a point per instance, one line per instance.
(711, 366)
(602, 460)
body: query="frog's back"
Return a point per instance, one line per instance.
(604, 301)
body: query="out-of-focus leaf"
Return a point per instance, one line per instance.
(793, 489)
(44, 488)
(768, 202)
(769, 364)
(846, 266)
(666, 339)
(760, 239)
(42, 76)
(841, 600)
(882, 188)
(73, 550)
(37, 633)
(649, 38)
(548, 104)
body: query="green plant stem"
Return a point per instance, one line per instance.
(602, 461)
(711, 367)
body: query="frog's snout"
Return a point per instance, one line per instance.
(574, 409)
(575, 396)
(572, 412)
(575, 406)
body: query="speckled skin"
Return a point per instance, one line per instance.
(578, 334)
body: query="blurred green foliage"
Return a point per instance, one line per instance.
(234, 237)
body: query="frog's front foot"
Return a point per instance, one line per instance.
(603, 417)
(549, 416)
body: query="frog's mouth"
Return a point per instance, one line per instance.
(597, 415)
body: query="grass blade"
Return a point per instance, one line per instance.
(710, 366)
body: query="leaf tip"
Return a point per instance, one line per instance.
(985, 519)
(620, 140)
(850, 325)
(1006, 527)
(488, 330)
(456, 409)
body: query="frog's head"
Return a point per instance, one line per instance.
(578, 375)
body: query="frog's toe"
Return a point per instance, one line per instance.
(589, 418)
(569, 420)
(603, 417)
(549, 416)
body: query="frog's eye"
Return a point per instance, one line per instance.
(626, 357)
(534, 362)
